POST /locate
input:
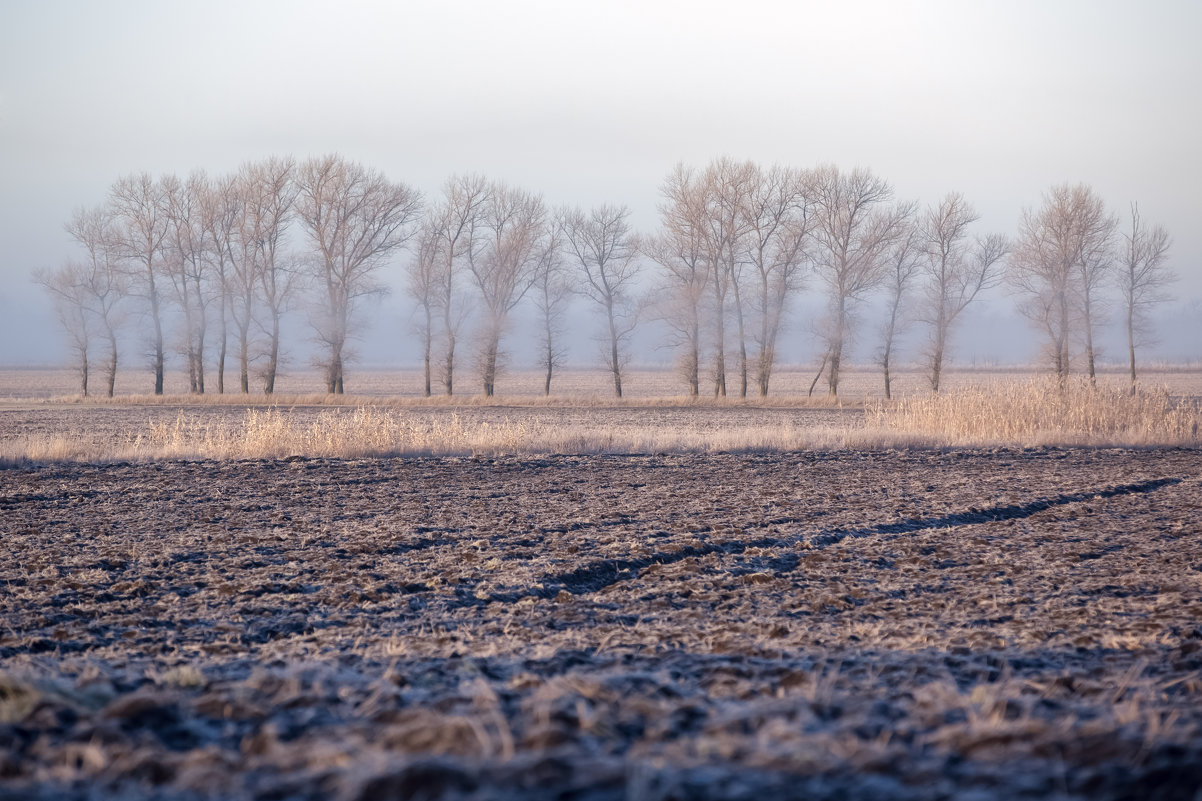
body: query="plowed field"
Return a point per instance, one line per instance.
(858, 625)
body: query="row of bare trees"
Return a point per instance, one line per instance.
(489, 246)
(217, 254)
(224, 259)
(1069, 252)
(738, 242)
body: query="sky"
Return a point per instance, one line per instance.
(591, 102)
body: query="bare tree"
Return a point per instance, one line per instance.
(726, 189)
(552, 291)
(1095, 261)
(140, 211)
(268, 195)
(679, 250)
(513, 227)
(1143, 278)
(955, 272)
(356, 219)
(1042, 270)
(67, 289)
(713, 204)
(779, 216)
(1061, 258)
(100, 284)
(855, 232)
(455, 225)
(680, 298)
(241, 285)
(904, 263)
(220, 210)
(422, 282)
(602, 246)
(185, 265)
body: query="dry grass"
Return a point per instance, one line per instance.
(1043, 412)
(456, 401)
(372, 431)
(1013, 412)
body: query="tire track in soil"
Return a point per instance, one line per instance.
(598, 575)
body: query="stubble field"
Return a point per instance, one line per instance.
(987, 623)
(863, 625)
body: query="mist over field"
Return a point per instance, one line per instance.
(597, 104)
(994, 335)
(610, 401)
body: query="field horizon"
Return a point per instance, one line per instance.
(790, 383)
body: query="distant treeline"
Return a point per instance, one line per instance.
(213, 264)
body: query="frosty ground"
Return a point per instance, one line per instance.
(828, 624)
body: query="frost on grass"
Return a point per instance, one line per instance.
(998, 624)
(1013, 413)
(1043, 412)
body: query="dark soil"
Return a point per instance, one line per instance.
(856, 625)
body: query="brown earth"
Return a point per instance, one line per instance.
(857, 625)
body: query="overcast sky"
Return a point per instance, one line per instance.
(593, 102)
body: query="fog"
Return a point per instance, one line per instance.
(596, 103)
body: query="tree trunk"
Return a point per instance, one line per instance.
(720, 336)
(111, 376)
(549, 356)
(836, 350)
(1089, 357)
(818, 374)
(742, 341)
(448, 380)
(742, 363)
(693, 368)
(427, 344)
(720, 359)
(885, 366)
(490, 364)
(1131, 344)
(244, 356)
(832, 379)
(159, 358)
(936, 365)
(941, 326)
(334, 373)
(189, 342)
(1062, 340)
(765, 366)
(341, 308)
(273, 356)
(614, 363)
(221, 349)
(200, 343)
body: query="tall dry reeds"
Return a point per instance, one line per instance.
(1014, 413)
(371, 431)
(1042, 412)
(360, 432)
